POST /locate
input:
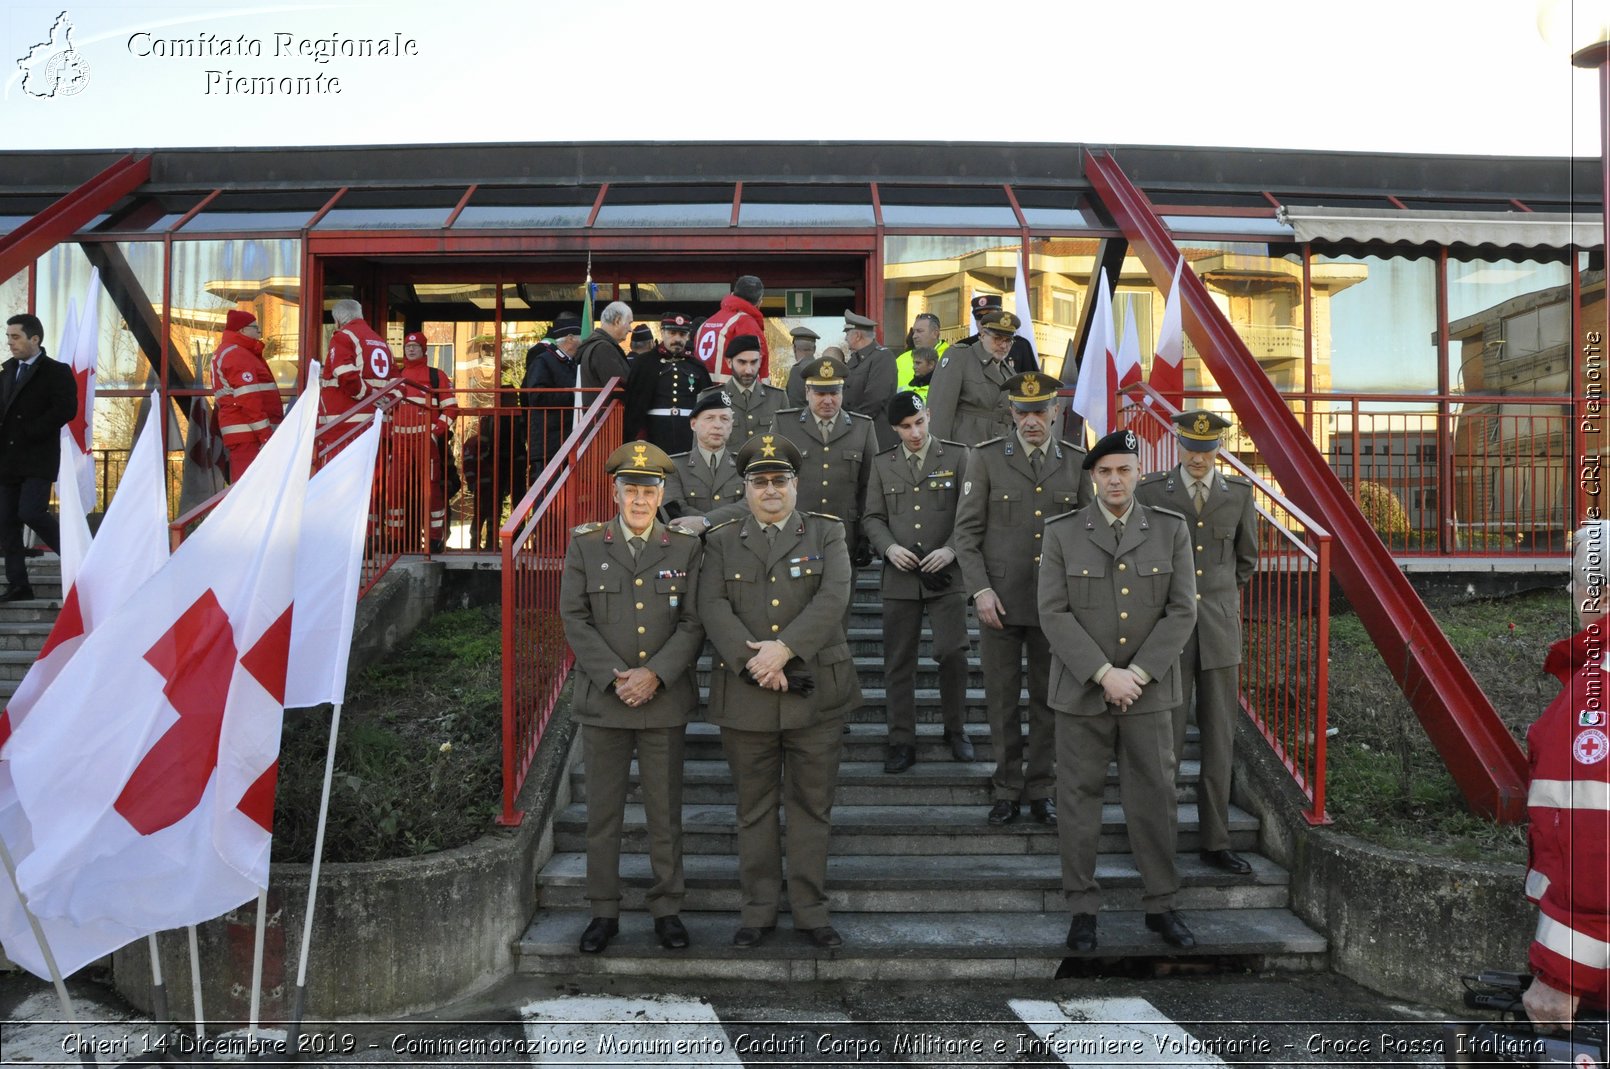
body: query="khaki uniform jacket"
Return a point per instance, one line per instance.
(965, 400)
(873, 380)
(1129, 603)
(1224, 540)
(621, 613)
(752, 415)
(1002, 515)
(600, 359)
(906, 513)
(832, 477)
(794, 590)
(692, 490)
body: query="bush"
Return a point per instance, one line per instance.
(1383, 510)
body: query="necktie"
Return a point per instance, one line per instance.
(826, 429)
(22, 376)
(1200, 493)
(715, 464)
(1036, 458)
(771, 533)
(915, 463)
(1118, 530)
(635, 543)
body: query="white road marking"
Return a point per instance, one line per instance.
(648, 1029)
(1110, 1031)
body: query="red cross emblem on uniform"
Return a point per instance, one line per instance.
(1591, 746)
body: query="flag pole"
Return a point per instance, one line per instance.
(257, 970)
(195, 989)
(159, 991)
(299, 1005)
(85, 1056)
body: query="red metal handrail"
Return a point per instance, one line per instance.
(1284, 681)
(571, 489)
(1484, 758)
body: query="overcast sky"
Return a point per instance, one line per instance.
(1419, 76)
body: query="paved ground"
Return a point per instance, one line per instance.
(1241, 1019)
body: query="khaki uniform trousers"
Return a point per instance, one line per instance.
(1216, 709)
(799, 768)
(1022, 772)
(608, 756)
(1145, 787)
(902, 629)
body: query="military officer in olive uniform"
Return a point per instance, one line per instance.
(805, 340)
(703, 487)
(836, 448)
(874, 375)
(754, 403)
(1222, 518)
(967, 394)
(1012, 485)
(1117, 599)
(772, 594)
(627, 598)
(911, 499)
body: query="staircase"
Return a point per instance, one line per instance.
(24, 625)
(921, 887)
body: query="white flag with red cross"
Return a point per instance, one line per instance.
(1168, 368)
(147, 770)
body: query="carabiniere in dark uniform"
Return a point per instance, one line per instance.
(662, 388)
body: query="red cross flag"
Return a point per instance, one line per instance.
(147, 769)
(99, 577)
(1168, 367)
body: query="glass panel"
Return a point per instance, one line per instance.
(150, 214)
(632, 206)
(941, 275)
(1375, 322)
(391, 209)
(1229, 224)
(64, 278)
(515, 207)
(1509, 327)
(258, 210)
(984, 206)
(848, 206)
(1054, 209)
(1262, 295)
(259, 275)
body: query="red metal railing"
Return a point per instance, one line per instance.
(536, 659)
(1285, 610)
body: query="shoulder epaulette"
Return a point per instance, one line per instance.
(990, 441)
(1071, 445)
(773, 389)
(724, 523)
(855, 416)
(886, 452)
(789, 411)
(674, 528)
(588, 528)
(823, 515)
(1240, 480)
(958, 445)
(679, 456)
(1060, 516)
(1156, 475)
(1169, 512)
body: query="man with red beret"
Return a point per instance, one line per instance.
(244, 390)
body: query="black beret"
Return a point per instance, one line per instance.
(743, 343)
(716, 398)
(1123, 441)
(904, 405)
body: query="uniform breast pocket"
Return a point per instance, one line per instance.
(604, 592)
(740, 586)
(672, 589)
(1087, 582)
(1005, 505)
(1224, 537)
(1154, 577)
(1065, 501)
(851, 456)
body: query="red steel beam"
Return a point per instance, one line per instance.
(63, 219)
(1479, 751)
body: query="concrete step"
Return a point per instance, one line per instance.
(865, 783)
(872, 670)
(919, 946)
(39, 610)
(24, 635)
(926, 700)
(14, 664)
(1015, 883)
(892, 830)
(869, 741)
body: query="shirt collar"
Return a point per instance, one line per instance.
(1028, 449)
(1191, 480)
(921, 454)
(708, 457)
(1110, 517)
(626, 531)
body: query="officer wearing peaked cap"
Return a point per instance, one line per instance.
(836, 447)
(773, 591)
(1014, 484)
(873, 375)
(967, 393)
(1222, 521)
(704, 487)
(1118, 601)
(754, 402)
(804, 346)
(628, 601)
(988, 306)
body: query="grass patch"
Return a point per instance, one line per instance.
(1385, 781)
(419, 759)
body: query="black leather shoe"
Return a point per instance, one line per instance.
(961, 747)
(1229, 862)
(900, 758)
(1171, 928)
(673, 935)
(18, 593)
(600, 930)
(751, 937)
(1044, 810)
(823, 937)
(1003, 812)
(1082, 932)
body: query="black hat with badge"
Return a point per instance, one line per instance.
(1123, 441)
(984, 302)
(769, 452)
(1200, 431)
(714, 399)
(904, 405)
(676, 321)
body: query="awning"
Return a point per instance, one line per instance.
(1554, 230)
